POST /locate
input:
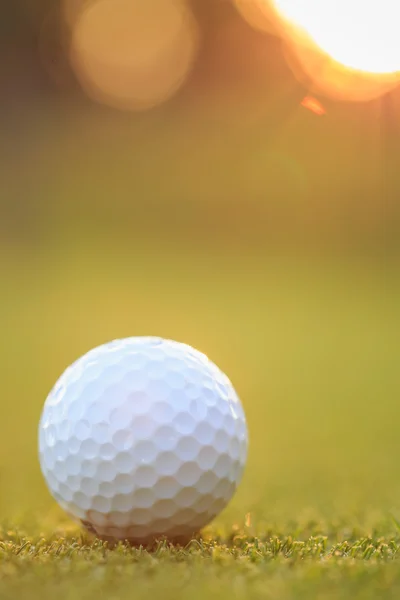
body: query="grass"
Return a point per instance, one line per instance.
(235, 564)
(311, 347)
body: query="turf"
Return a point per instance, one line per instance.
(237, 564)
(311, 347)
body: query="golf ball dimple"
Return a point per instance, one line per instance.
(143, 438)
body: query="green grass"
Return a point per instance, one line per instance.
(311, 347)
(236, 564)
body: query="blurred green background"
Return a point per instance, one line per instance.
(230, 218)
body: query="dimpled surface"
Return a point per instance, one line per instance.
(143, 438)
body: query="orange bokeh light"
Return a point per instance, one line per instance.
(131, 54)
(313, 105)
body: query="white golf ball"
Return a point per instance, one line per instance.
(143, 438)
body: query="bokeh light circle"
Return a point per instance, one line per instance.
(131, 54)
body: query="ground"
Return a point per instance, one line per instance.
(311, 347)
(234, 564)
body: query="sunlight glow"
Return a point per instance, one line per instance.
(322, 75)
(359, 34)
(259, 14)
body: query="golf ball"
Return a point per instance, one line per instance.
(143, 438)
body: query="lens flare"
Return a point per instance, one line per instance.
(259, 14)
(361, 34)
(347, 51)
(322, 75)
(313, 105)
